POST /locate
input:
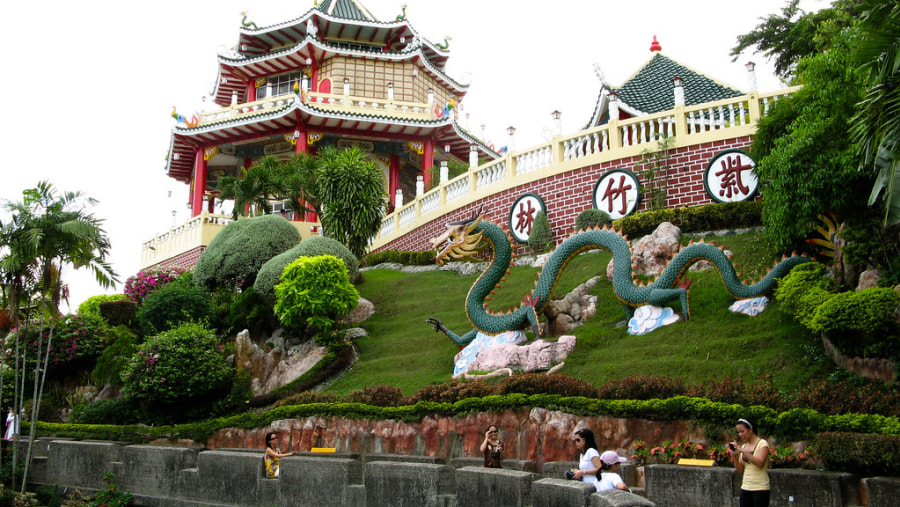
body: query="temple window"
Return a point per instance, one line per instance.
(280, 85)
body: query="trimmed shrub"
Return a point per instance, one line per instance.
(848, 397)
(181, 364)
(453, 391)
(379, 396)
(250, 310)
(540, 383)
(307, 397)
(139, 287)
(110, 411)
(634, 387)
(172, 305)
(861, 323)
(866, 455)
(314, 292)
(234, 257)
(118, 313)
(78, 337)
(270, 273)
(394, 256)
(793, 286)
(541, 237)
(91, 305)
(726, 215)
(590, 218)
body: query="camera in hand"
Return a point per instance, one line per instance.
(731, 446)
(570, 475)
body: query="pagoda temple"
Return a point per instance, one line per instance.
(334, 76)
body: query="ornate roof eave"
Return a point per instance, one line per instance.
(185, 140)
(373, 32)
(284, 60)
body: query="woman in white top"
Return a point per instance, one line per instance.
(588, 458)
(608, 476)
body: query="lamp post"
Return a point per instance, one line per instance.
(512, 138)
(678, 90)
(556, 114)
(751, 75)
(613, 105)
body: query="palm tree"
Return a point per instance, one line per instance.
(47, 231)
(876, 126)
(252, 189)
(295, 181)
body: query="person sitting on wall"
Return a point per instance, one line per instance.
(608, 476)
(492, 447)
(273, 455)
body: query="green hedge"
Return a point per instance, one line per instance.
(711, 217)
(795, 424)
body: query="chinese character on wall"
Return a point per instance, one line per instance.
(730, 177)
(522, 214)
(617, 193)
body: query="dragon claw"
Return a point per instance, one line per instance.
(684, 283)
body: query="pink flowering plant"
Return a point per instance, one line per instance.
(670, 452)
(177, 365)
(144, 283)
(77, 337)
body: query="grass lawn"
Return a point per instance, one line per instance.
(403, 351)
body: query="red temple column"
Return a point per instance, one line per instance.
(427, 163)
(393, 178)
(211, 208)
(199, 183)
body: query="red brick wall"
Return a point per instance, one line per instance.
(566, 195)
(186, 260)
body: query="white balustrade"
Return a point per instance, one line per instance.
(431, 201)
(458, 188)
(408, 215)
(491, 174)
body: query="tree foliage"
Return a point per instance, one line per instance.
(807, 161)
(788, 37)
(876, 126)
(351, 189)
(270, 273)
(234, 257)
(173, 304)
(541, 236)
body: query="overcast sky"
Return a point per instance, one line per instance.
(89, 86)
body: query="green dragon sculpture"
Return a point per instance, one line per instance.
(466, 238)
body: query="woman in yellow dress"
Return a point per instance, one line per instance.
(273, 456)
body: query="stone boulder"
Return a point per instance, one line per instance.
(650, 254)
(277, 367)
(535, 356)
(363, 311)
(566, 314)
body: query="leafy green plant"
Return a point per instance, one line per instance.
(655, 171)
(541, 237)
(861, 322)
(726, 215)
(863, 454)
(250, 310)
(183, 363)
(173, 304)
(91, 305)
(234, 257)
(314, 292)
(108, 369)
(591, 217)
(111, 496)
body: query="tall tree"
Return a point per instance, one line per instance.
(353, 198)
(295, 181)
(876, 126)
(252, 189)
(46, 232)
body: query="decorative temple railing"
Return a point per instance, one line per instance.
(322, 101)
(703, 123)
(618, 139)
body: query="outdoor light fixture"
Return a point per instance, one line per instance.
(176, 156)
(556, 114)
(511, 130)
(446, 148)
(308, 61)
(678, 81)
(296, 134)
(751, 66)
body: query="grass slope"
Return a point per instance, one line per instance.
(403, 351)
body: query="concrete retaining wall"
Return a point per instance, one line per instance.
(185, 477)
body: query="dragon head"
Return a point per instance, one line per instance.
(459, 242)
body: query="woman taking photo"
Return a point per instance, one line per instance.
(492, 447)
(751, 458)
(273, 456)
(588, 458)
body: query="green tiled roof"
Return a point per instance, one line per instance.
(347, 9)
(649, 90)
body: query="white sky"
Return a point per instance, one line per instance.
(89, 86)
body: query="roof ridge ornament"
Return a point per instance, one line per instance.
(655, 46)
(248, 24)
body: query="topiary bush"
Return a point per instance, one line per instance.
(540, 383)
(314, 292)
(634, 387)
(91, 305)
(861, 323)
(866, 455)
(235, 256)
(541, 237)
(795, 285)
(270, 273)
(727, 215)
(590, 218)
(118, 313)
(181, 364)
(172, 305)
